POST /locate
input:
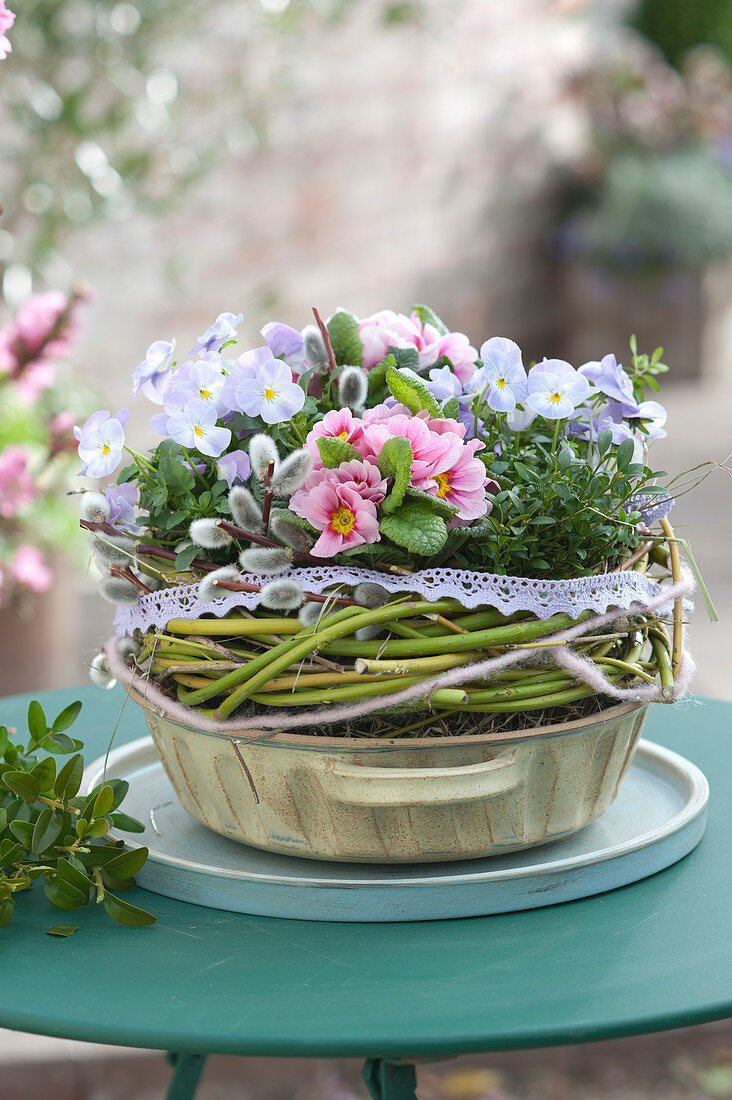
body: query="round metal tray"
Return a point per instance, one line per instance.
(658, 817)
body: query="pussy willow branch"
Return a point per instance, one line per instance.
(326, 339)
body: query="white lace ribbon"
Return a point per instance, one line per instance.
(543, 598)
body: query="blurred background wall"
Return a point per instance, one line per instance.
(536, 169)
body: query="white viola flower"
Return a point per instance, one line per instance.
(555, 389)
(101, 441)
(195, 426)
(519, 420)
(222, 330)
(152, 375)
(503, 370)
(202, 379)
(443, 384)
(270, 394)
(654, 416)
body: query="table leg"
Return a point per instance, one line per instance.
(186, 1075)
(387, 1080)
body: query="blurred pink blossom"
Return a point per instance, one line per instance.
(387, 329)
(16, 485)
(7, 18)
(28, 568)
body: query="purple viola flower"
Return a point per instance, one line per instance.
(204, 379)
(609, 378)
(443, 384)
(467, 418)
(223, 329)
(502, 371)
(265, 388)
(101, 441)
(152, 375)
(286, 344)
(654, 416)
(122, 500)
(195, 426)
(555, 389)
(234, 467)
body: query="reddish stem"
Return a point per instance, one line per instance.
(268, 496)
(326, 339)
(315, 597)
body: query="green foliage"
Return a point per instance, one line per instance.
(395, 462)
(49, 832)
(428, 317)
(417, 528)
(333, 451)
(678, 27)
(344, 338)
(411, 392)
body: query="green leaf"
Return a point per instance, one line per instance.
(9, 851)
(126, 823)
(47, 830)
(99, 802)
(344, 338)
(335, 451)
(61, 745)
(4, 738)
(395, 462)
(22, 831)
(62, 930)
(124, 913)
(69, 778)
(37, 721)
(7, 907)
(410, 391)
(451, 408)
(62, 895)
(377, 374)
(434, 503)
(428, 317)
(127, 864)
(186, 556)
(67, 717)
(416, 528)
(71, 875)
(624, 454)
(23, 784)
(45, 773)
(404, 358)
(604, 442)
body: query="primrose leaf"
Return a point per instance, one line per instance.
(434, 503)
(395, 461)
(335, 451)
(412, 392)
(416, 528)
(345, 339)
(451, 409)
(428, 317)
(186, 556)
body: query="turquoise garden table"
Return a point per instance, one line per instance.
(648, 957)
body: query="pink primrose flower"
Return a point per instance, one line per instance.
(7, 18)
(462, 484)
(345, 517)
(432, 452)
(387, 329)
(362, 476)
(28, 569)
(16, 485)
(336, 424)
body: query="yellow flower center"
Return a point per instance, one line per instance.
(443, 485)
(500, 382)
(555, 397)
(342, 435)
(342, 521)
(197, 430)
(204, 394)
(106, 449)
(269, 394)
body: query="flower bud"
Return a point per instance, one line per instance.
(128, 650)
(315, 349)
(207, 533)
(310, 612)
(291, 472)
(284, 594)
(291, 533)
(262, 451)
(245, 511)
(94, 507)
(353, 387)
(367, 633)
(113, 549)
(265, 561)
(371, 595)
(118, 590)
(99, 673)
(208, 588)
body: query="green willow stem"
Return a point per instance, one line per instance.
(320, 641)
(334, 695)
(234, 626)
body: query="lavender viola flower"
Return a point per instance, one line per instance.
(152, 375)
(234, 467)
(195, 426)
(609, 378)
(265, 388)
(204, 379)
(223, 329)
(101, 441)
(520, 419)
(654, 416)
(443, 384)
(122, 500)
(286, 344)
(555, 389)
(473, 426)
(503, 371)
